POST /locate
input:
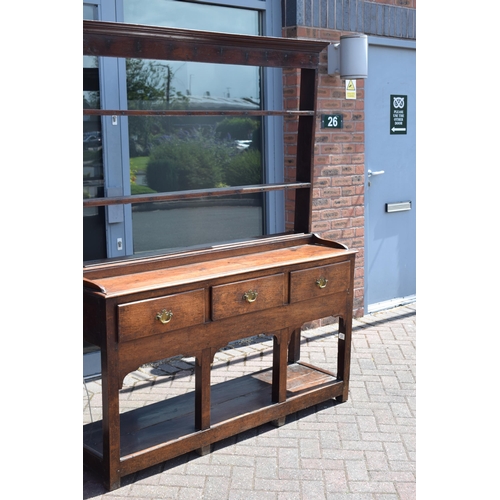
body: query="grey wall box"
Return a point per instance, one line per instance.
(349, 57)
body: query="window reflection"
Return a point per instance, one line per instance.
(175, 153)
(178, 153)
(179, 224)
(191, 15)
(94, 231)
(93, 178)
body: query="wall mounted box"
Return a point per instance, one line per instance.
(349, 58)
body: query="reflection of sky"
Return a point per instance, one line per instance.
(178, 14)
(217, 79)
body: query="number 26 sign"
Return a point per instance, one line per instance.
(331, 121)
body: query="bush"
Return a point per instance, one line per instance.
(194, 161)
(244, 169)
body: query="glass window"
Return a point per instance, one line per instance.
(178, 153)
(94, 231)
(192, 15)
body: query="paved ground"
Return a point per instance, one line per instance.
(363, 449)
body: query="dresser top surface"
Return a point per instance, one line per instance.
(140, 280)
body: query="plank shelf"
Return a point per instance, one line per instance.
(173, 419)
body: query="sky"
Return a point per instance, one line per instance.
(200, 78)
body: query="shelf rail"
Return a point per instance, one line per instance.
(192, 194)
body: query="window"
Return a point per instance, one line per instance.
(170, 153)
(177, 153)
(233, 151)
(94, 229)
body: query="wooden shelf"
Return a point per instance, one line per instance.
(196, 301)
(122, 300)
(109, 39)
(172, 420)
(194, 194)
(194, 112)
(155, 42)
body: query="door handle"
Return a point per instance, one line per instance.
(378, 172)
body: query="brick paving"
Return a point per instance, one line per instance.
(363, 449)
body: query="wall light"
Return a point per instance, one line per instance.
(349, 58)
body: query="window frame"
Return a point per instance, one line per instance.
(119, 233)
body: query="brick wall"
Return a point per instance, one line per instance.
(338, 195)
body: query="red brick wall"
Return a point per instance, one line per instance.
(338, 195)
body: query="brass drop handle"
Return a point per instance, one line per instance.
(250, 296)
(321, 282)
(164, 316)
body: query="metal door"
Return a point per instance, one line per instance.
(390, 184)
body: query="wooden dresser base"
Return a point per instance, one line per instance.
(166, 429)
(144, 310)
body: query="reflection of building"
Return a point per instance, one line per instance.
(345, 203)
(92, 140)
(211, 102)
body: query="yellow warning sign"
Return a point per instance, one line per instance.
(350, 89)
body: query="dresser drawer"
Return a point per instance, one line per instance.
(154, 316)
(247, 296)
(319, 281)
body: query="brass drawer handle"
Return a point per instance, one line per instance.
(321, 282)
(164, 316)
(250, 296)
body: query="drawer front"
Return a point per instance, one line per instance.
(319, 281)
(164, 314)
(247, 296)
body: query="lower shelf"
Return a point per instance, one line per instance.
(236, 405)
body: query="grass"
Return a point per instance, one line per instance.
(138, 164)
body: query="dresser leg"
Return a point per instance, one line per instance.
(344, 355)
(280, 353)
(204, 450)
(279, 422)
(112, 484)
(202, 389)
(110, 422)
(294, 347)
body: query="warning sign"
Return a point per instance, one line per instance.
(350, 89)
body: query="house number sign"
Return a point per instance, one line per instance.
(331, 121)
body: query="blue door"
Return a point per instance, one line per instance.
(390, 184)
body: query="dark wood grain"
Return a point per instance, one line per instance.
(173, 419)
(207, 300)
(205, 288)
(155, 42)
(193, 194)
